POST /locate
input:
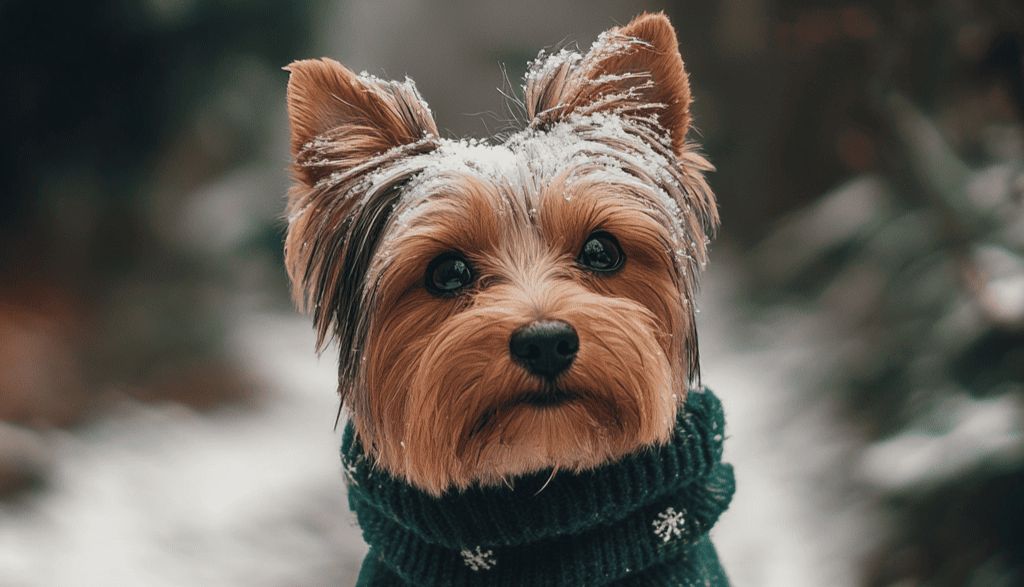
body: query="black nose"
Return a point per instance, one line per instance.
(545, 347)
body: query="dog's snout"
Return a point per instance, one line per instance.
(545, 347)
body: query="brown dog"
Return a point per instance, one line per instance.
(510, 307)
(507, 310)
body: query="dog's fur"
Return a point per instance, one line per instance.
(433, 392)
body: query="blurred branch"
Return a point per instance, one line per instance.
(944, 178)
(933, 163)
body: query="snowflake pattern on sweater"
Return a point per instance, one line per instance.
(669, 524)
(349, 469)
(478, 559)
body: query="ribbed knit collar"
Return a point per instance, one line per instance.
(643, 519)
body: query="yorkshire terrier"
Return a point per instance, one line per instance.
(506, 309)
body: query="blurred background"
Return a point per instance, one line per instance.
(163, 418)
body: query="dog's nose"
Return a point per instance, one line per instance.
(545, 347)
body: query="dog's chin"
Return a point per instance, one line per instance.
(559, 429)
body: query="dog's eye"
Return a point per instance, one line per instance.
(448, 273)
(601, 253)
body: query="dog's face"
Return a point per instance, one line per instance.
(505, 307)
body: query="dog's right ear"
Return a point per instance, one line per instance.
(340, 119)
(343, 128)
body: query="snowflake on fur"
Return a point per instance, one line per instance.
(669, 524)
(478, 560)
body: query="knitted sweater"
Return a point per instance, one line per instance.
(643, 520)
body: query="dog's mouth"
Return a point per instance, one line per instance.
(603, 412)
(544, 398)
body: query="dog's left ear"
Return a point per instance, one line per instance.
(634, 70)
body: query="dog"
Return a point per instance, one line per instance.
(513, 313)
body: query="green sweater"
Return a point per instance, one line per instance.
(643, 520)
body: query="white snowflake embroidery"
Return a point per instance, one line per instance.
(479, 560)
(350, 473)
(669, 524)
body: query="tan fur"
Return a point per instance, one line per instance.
(433, 392)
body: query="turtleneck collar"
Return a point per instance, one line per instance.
(643, 519)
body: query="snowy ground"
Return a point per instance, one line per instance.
(799, 516)
(158, 495)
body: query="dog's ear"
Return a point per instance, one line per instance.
(634, 70)
(340, 119)
(344, 127)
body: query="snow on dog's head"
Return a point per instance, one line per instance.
(509, 306)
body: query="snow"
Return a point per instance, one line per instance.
(799, 516)
(159, 495)
(546, 63)
(981, 431)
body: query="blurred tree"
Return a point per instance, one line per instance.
(114, 113)
(917, 261)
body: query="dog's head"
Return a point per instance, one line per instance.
(510, 306)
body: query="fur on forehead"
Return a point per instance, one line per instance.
(616, 114)
(580, 150)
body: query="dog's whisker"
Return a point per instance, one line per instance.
(546, 483)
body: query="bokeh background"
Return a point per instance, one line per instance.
(164, 421)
